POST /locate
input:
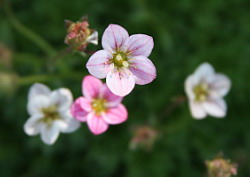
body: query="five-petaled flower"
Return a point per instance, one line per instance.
(205, 90)
(49, 113)
(99, 107)
(79, 34)
(123, 60)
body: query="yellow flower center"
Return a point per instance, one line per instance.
(99, 105)
(201, 92)
(50, 114)
(120, 60)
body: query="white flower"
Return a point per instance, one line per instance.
(49, 113)
(205, 90)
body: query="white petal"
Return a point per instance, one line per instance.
(93, 38)
(189, 85)
(204, 71)
(219, 86)
(49, 134)
(36, 104)
(33, 126)
(216, 107)
(62, 98)
(71, 124)
(197, 110)
(38, 89)
(120, 82)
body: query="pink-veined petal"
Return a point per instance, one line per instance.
(114, 37)
(96, 124)
(78, 111)
(197, 110)
(121, 82)
(216, 107)
(139, 44)
(112, 99)
(143, 69)
(91, 87)
(219, 86)
(98, 63)
(116, 115)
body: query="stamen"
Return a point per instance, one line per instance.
(99, 106)
(201, 92)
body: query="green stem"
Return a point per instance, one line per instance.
(35, 38)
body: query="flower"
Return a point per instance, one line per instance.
(205, 90)
(221, 167)
(79, 34)
(123, 60)
(144, 137)
(99, 107)
(49, 113)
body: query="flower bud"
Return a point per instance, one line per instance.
(144, 137)
(220, 167)
(79, 34)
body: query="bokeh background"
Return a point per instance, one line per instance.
(186, 33)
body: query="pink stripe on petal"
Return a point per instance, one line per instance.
(96, 124)
(98, 64)
(143, 69)
(91, 87)
(77, 111)
(116, 115)
(114, 37)
(139, 44)
(112, 99)
(121, 82)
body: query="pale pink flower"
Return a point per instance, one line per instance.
(205, 90)
(123, 60)
(99, 107)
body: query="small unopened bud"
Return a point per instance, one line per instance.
(8, 82)
(5, 56)
(79, 35)
(220, 167)
(144, 137)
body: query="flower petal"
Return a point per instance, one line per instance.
(91, 87)
(72, 125)
(112, 99)
(93, 38)
(98, 64)
(116, 115)
(114, 37)
(62, 98)
(220, 85)
(37, 103)
(204, 71)
(96, 124)
(189, 85)
(78, 111)
(143, 69)
(32, 125)
(197, 110)
(139, 44)
(38, 89)
(49, 133)
(216, 107)
(120, 82)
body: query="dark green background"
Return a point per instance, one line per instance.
(186, 33)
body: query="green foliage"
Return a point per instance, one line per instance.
(186, 33)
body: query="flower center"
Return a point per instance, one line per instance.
(201, 92)
(99, 105)
(50, 114)
(120, 60)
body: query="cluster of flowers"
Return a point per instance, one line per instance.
(123, 62)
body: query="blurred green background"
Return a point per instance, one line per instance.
(186, 33)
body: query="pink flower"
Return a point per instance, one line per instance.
(123, 60)
(99, 107)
